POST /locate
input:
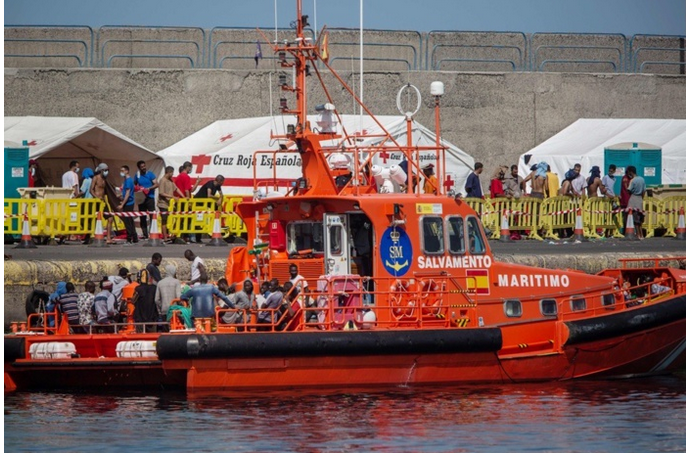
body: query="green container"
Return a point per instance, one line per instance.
(16, 174)
(646, 158)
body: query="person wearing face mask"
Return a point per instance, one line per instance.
(70, 179)
(127, 205)
(35, 174)
(147, 181)
(98, 190)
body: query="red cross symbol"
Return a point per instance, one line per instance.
(225, 138)
(384, 155)
(32, 143)
(449, 183)
(200, 162)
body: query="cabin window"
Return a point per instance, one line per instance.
(578, 303)
(513, 308)
(476, 240)
(608, 299)
(549, 307)
(455, 227)
(432, 235)
(305, 236)
(336, 236)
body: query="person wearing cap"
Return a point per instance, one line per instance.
(595, 183)
(473, 185)
(105, 304)
(430, 180)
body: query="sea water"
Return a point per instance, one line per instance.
(637, 415)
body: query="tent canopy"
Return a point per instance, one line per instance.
(226, 147)
(55, 141)
(585, 142)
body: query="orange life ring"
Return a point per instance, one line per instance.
(431, 296)
(402, 298)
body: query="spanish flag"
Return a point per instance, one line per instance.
(324, 48)
(477, 281)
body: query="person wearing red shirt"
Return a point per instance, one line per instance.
(497, 183)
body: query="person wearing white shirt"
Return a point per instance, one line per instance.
(70, 180)
(197, 266)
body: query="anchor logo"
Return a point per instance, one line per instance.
(397, 266)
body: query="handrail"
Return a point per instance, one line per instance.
(49, 41)
(89, 58)
(398, 60)
(659, 49)
(477, 46)
(473, 60)
(143, 41)
(76, 57)
(178, 57)
(412, 66)
(612, 63)
(462, 32)
(159, 27)
(533, 36)
(574, 47)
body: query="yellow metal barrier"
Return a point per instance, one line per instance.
(16, 207)
(191, 216)
(232, 223)
(485, 211)
(558, 213)
(670, 209)
(654, 215)
(524, 215)
(70, 216)
(597, 214)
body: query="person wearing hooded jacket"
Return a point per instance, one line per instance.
(119, 282)
(60, 290)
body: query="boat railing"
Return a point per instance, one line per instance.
(433, 300)
(580, 306)
(650, 262)
(42, 324)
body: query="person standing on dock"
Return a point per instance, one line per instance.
(127, 205)
(473, 185)
(148, 182)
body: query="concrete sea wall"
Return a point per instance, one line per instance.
(493, 116)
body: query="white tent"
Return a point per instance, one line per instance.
(226, 147)
(55, 141)
(585, 141)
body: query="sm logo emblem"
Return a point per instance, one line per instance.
(395, 250)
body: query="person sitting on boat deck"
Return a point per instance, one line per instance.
(153, 268)
(119, 282)
(85, 304)
(67, 303)
(144, 301)
(105, 304)
(261, 297)
(289, 307)
(473, 185)
(201, 297)
(52, 301)
(430, 182)
(168, 289)
(268, 311)
(197, 267)
(243, 300)
(656, 288)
